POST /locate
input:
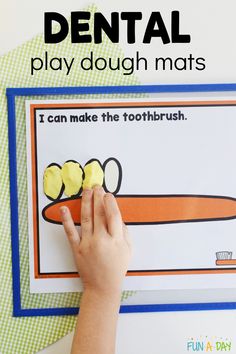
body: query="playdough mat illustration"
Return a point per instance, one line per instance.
(170, 162)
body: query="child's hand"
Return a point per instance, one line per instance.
(102, 247)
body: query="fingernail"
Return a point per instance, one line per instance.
(98, 187)
(87, 191)
(109, 195)
(63, 211)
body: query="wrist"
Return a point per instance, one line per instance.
(101, 293)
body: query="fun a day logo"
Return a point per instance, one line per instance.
(207, 345)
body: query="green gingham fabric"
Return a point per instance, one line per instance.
(29, 335)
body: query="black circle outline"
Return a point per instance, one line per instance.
(62, 187)
(120, 175)
(92, 160)
(81, 188)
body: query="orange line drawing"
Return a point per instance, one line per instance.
(141, 209)
(225, 262)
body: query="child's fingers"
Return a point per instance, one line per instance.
(69, 226)
(87, 213)
(113, 216)
(99, 210)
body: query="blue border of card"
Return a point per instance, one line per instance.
(12, 93)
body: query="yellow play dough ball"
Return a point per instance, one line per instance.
(94, 175)
(72, 175)
(52, 182)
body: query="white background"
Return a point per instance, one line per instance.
(192, 156)
(212, 26)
